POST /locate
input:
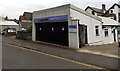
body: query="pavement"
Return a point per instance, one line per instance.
(109, 50)
(95, 55)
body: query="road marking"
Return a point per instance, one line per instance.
(69, 60)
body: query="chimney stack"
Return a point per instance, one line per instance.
(103, 8)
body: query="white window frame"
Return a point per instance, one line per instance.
(106, 32)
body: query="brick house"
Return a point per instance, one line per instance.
(25, 20)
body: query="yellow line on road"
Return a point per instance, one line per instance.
(69, 60)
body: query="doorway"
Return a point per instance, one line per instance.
(52, 32)
(82, 35)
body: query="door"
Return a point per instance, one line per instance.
(82, 35)
(52, 32)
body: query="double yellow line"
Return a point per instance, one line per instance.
(69, 60)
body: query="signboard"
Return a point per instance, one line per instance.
(52, 18)
(73, 28)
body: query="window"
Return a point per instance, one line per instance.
(106, 32)
(97, 30)
(111, 11)
(12, 30)
(118, 32)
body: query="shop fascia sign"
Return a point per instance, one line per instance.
(52, 18)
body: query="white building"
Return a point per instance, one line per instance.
(113, 12)
(13, 27)
(109, 29)
(67, 25)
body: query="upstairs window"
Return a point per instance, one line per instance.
(111, 11)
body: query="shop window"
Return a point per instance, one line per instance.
(97, 30)
(106, 32)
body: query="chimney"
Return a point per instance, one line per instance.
(103, 8)
(6, 18)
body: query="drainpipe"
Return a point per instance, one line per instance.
(79, 34)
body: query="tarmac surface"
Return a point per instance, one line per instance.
(89, 58)
(17, 58)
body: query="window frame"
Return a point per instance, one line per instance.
(106, 32)
(97, 30)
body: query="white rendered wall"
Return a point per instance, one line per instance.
(116, 11)
(89, 10)
(110, 38)
(91, 23)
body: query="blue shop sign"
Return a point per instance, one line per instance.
(52, 18)
(72, 26)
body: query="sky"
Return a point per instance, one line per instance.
(15, 8)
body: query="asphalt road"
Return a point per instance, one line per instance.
(17, 58)
(97, 60)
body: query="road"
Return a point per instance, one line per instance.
(18, 58)
(97, 60)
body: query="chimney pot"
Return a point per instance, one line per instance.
(103, 8)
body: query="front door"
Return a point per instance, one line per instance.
(82, 35)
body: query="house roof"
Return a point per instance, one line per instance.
(8, 23)
(26, 16)
(108, 21)
(111, 8)
(95, 9)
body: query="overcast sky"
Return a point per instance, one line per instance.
(15, 8)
